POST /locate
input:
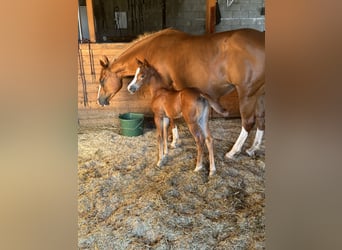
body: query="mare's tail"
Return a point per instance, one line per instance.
(215, 105)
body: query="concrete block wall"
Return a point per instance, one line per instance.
(241, 14)
(189, 15)
(186, 15)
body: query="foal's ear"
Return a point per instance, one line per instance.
(146, 62)
(140, 63)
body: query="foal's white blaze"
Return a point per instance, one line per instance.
(238, 144)
(257, 142)
(134, 79)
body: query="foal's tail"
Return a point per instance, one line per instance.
(215, 105)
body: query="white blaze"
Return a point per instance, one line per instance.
(134, 79)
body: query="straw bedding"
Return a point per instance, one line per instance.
(126, 202)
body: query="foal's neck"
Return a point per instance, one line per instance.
(157, 84)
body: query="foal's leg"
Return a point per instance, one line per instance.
(165, 127)
(159, 125)
(204, 124)
(175, 135)
(196, 133)
(169, 132)
(260, 122)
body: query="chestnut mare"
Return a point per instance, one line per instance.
(168, 104)
(214, 63)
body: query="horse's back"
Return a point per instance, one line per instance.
(191, 97)
(166, 102)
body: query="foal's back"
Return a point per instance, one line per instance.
(174, 104)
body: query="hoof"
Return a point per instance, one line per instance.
(198, 168)
(230, 155)
(250, 152)
(212, 173)
(161, 162)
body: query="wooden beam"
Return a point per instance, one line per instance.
(210, 16)
(91, 23)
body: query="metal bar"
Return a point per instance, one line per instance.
(92, 67)
(79, 24)
(84, 82)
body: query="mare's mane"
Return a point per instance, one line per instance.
(145, 38)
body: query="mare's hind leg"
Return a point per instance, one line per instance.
(247, 109)
(260, 122)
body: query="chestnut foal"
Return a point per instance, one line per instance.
(168, 104)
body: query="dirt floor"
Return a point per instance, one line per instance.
(126, 202)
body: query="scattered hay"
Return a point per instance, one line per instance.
(126, 202)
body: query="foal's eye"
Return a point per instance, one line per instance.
(142, 76)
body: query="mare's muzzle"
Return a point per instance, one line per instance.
(103, 101)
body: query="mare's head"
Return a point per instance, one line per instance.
(142, 75)
(110, 83)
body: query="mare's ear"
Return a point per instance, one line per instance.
(104, 61)
(140, 63)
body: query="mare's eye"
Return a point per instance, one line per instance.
(142, 76)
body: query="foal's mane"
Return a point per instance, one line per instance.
(155, 73)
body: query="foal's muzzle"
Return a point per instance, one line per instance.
(132, 89)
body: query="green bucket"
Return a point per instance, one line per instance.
(131, 124)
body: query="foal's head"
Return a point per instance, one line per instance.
(143, 75)
(110, 83)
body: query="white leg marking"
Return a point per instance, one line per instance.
(165, 126)
(175, 137)
(210, 146)
(161, 161)
(257, 142)
(98, 94)
(238, 144)
(134, 80)
(198, 168)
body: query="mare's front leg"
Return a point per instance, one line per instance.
(247, 109)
